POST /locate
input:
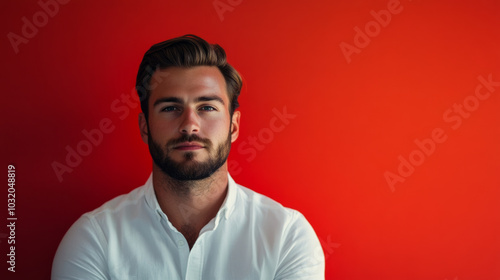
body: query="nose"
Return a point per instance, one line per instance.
(190, 122)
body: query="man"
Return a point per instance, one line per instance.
(190, 220)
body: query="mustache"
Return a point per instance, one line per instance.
(189, 138)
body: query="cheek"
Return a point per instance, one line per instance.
(161, 130)
(216, 129)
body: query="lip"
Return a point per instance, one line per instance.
(188, 146)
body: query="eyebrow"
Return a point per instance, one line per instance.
(197, 100)
(167, 99)
(209, 98)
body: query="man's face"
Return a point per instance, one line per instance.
(190, 131)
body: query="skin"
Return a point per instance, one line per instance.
(192, 208)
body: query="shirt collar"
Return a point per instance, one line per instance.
(226, 209)
(150, 196)
(230, 200)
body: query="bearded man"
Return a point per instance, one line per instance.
(190, 220)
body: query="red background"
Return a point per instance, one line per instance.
(352, 122)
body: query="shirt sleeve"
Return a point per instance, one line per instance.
(81, 253)
(301, 255)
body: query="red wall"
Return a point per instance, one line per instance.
(391, 153)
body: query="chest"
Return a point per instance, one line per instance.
(218, 254)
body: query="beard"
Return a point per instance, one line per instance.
(189, 169)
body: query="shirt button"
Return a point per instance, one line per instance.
(180, 242)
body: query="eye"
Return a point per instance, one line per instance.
(207, 108)
(169, 109)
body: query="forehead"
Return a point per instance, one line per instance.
(187, 83)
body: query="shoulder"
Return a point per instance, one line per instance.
(110, 218)
(267, 209)
(83, 251)
(300, 253)
(120, 204)
(109, 214)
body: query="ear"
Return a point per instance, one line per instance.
(235, 126)
(143, 127)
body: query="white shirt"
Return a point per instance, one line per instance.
(251, 237)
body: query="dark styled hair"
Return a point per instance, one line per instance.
(186, 51)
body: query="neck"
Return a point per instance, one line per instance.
(190, 205)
